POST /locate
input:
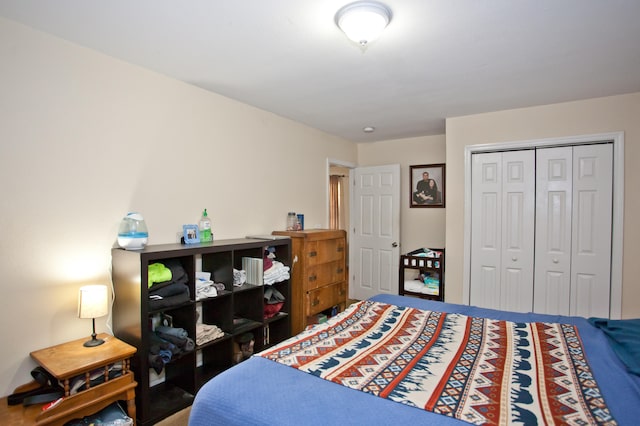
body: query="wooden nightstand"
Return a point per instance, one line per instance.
(72, 359)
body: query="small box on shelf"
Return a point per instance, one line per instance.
(253, 266)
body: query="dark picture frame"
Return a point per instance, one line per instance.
(424, 193)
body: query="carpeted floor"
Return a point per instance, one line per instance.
(181, 418)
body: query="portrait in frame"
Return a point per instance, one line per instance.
(427, 185)
(191, 234)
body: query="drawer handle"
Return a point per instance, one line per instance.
(315, 302)
(340, 249)
(341, 292)
(339, 270)
(313, 278)
(313, 254)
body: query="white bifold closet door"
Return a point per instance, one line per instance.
(573, 230)
(502, 225)
(541, 230)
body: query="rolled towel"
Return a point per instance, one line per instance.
(173, 331)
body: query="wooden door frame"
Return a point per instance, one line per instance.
(346, 165)
(617, 232)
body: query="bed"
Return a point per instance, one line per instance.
(291, 383)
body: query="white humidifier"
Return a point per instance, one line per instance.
(133, 234)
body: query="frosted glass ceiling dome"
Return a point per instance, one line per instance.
(363, 21)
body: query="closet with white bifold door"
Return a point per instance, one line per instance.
(541, 226)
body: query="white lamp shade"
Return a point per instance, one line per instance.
(363, 21)
(93, 301)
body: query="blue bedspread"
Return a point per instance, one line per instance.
(263, 392)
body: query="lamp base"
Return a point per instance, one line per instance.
(93, 342)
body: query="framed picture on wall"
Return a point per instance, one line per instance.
(427, 185)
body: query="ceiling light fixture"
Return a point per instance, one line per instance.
(363, 21)
(369, 129)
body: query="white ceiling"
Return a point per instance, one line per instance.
(436, 59)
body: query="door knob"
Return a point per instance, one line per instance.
(394, 244)
(555, 260)
(514, 258)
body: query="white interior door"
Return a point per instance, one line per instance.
(591, 223)
(374, 250)
(554, 204)
(573, 237)
(502, 226)
(486, 226)
(518, 230)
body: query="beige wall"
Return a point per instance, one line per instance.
(85, 138)
(602, 115)
(419, 227)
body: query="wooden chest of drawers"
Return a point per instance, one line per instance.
(319, 276)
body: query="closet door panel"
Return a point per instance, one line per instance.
(518, 185)
(487, 291)
(503, 230)
(584, 296)
(591, 230)
(553, 230)
(485, 224)
(550, 292)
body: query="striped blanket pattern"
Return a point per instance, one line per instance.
(478, 370)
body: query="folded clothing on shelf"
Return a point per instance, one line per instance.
(172, 292)
(278, 272)
(207, 332)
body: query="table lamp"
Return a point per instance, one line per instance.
(93, 303)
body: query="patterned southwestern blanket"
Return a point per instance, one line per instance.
(478, 370)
